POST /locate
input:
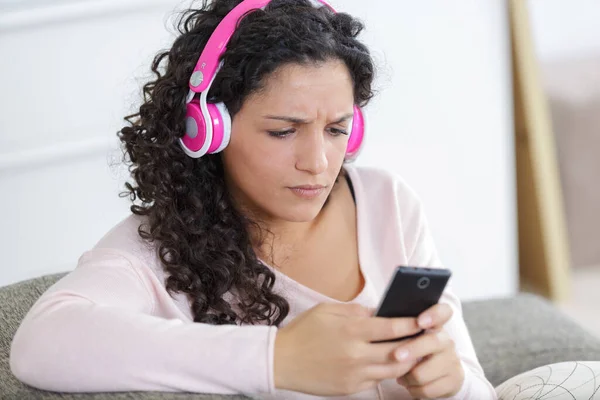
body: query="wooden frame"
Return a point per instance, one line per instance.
(543, 243)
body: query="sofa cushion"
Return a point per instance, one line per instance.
(518, 334)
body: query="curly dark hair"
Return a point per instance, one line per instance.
(202, 240)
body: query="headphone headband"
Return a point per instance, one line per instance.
(208, 62)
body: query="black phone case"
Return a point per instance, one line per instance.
(411, 291)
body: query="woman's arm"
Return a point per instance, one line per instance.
(94, 331)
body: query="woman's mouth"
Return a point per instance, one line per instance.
(308, 191)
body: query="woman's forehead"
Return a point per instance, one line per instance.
(296, 83)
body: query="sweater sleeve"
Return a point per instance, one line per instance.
(94, 331)
(422, 252)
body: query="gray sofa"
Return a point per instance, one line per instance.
(510, 335)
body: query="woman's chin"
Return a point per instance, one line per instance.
(302, 214)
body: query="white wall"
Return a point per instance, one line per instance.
(442, 120)
(68, 85)
(565, 29)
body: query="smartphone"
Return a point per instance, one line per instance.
(411, 291)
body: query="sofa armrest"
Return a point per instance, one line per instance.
(15, 301)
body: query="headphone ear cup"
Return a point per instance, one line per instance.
(357, 133)
(221, 127)
(194, 138)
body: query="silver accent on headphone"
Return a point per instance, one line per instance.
(190, 96)
(191, 127)
(196, 78)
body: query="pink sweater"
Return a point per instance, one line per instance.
(110, 325)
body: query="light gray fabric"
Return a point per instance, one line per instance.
(510, 335)
(515, 335)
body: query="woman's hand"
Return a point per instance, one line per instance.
(438, 372)
(327, 350)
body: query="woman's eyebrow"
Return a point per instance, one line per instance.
(295, 120)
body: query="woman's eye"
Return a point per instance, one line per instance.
(281, 134)
(338, 132)
(285, 133)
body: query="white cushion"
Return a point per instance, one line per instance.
(566, 380)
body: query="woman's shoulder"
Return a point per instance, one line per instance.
(378, 184)
(124, 239)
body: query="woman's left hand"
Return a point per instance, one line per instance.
(438, 371)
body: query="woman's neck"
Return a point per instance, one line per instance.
(275, 240)
(278, 240)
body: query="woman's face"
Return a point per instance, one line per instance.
(288, 138)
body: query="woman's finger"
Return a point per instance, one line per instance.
(442, 387)
(432, 368)
(377, 329)
(424, 345)
(435, 316)
(379, 372)
(376, 353)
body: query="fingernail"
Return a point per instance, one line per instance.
(401, 355)
(425, 322)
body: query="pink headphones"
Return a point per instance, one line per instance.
(207, 125)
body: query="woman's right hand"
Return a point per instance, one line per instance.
(328, 350)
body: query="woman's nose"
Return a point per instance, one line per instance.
(311, 154)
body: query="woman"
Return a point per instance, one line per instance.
(253, 258)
